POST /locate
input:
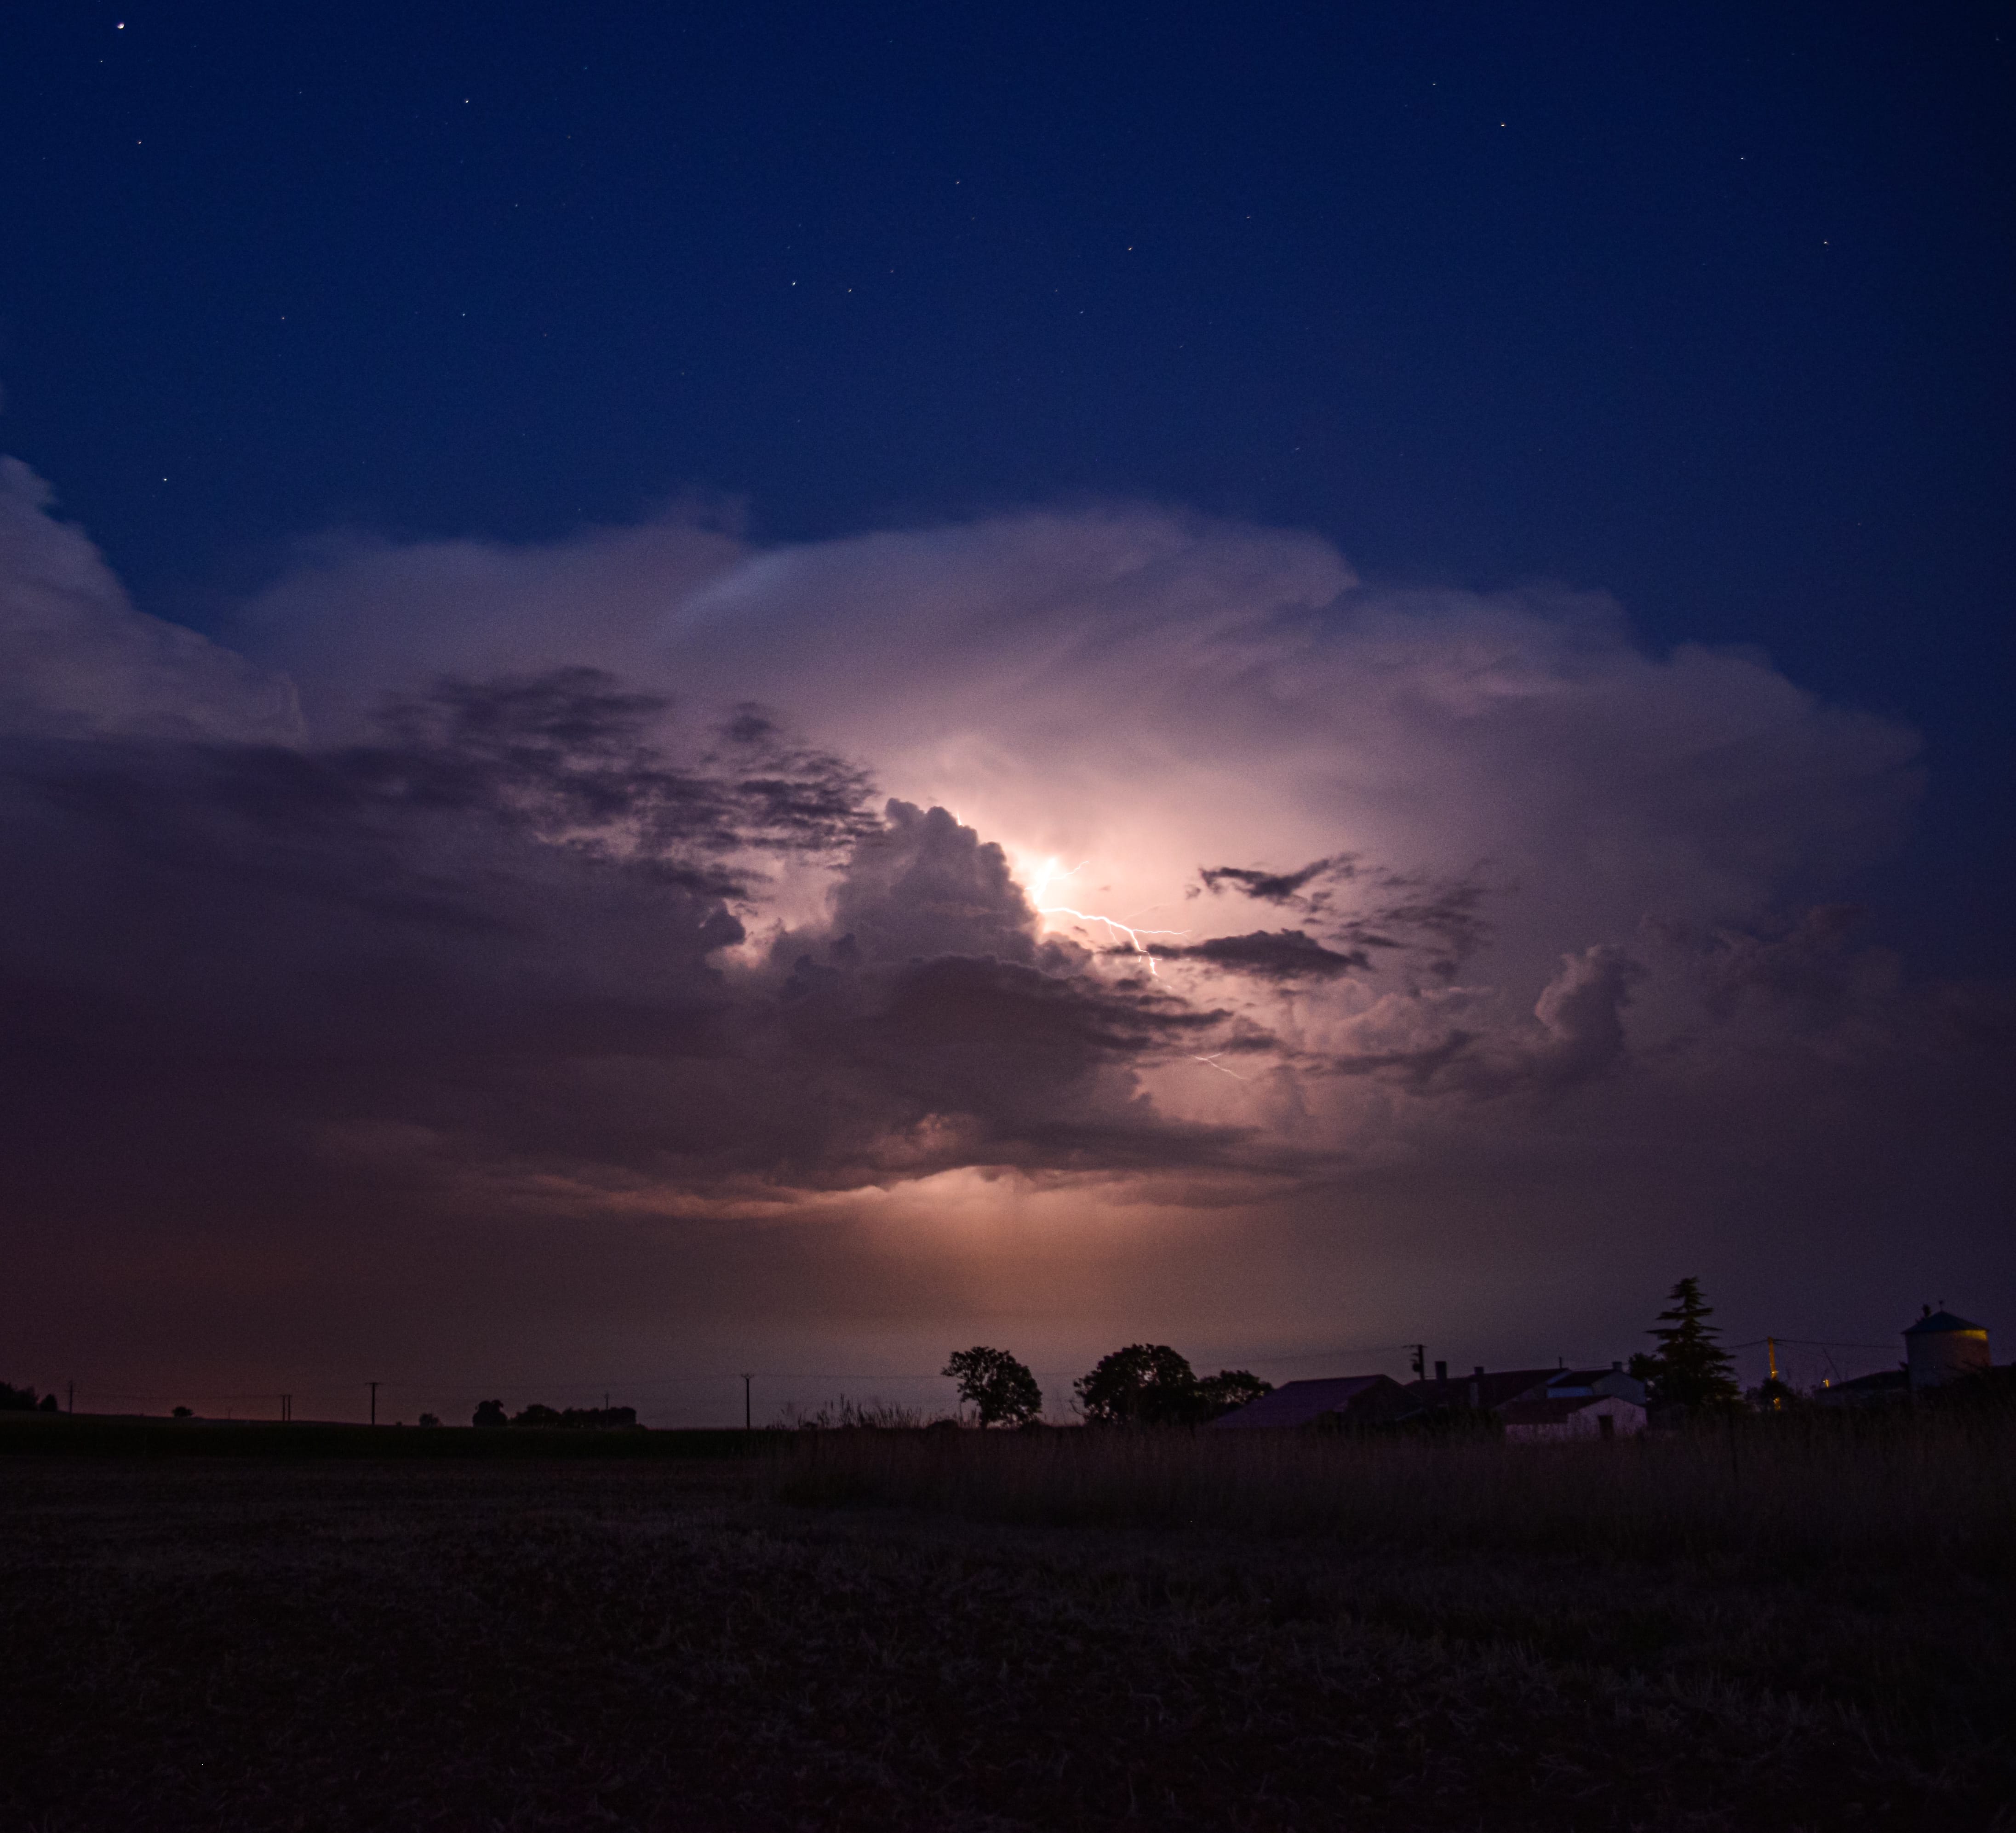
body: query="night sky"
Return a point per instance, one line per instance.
(598, 604)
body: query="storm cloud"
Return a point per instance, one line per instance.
(654, 877)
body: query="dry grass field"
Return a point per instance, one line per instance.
(895, 1631)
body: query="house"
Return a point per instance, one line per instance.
(1594, 1383)
(1348, 1400)
(1479, 1389)
(1570, 1416)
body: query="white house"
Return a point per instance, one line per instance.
(1580, 1383)
(1601, 1416)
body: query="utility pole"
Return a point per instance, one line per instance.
(746, 1380)
(286, 1408)
(1420, 1362)
(373, 1387)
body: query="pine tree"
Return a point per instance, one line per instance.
(1689, 1369)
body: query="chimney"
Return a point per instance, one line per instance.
(1617, 1368)
(1441, 1374)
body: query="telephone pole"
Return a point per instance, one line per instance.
(373, 1386)
(1421, 1360)
(746, 1425)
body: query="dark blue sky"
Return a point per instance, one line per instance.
(1708, 305)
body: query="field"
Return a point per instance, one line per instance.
(893, 1630)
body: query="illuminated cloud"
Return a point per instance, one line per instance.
(649, 875)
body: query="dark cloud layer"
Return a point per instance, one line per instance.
(1277, 955)
(483, 954)
(1360, 909)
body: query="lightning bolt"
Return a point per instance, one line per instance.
(1212, 1062)
(1113, 925)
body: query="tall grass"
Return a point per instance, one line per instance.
(1905, 1488)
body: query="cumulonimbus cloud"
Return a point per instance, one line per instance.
(651, 868)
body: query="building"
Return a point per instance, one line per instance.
(1595, 1384)
(1940, 1347)
(1348, 1400)
(1478, 1388)
(1571, 1416)
(1880, 1390)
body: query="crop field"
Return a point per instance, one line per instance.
(1064, 1630)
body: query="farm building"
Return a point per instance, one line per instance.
(1940, 1347)
(1575, 1416)
(1349, 1399)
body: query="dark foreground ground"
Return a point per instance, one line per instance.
(191, 1643)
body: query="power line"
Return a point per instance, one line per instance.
(1810, 1342)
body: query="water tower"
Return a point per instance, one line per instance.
(1941, 1347)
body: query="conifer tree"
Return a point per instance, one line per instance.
(1689, 1369)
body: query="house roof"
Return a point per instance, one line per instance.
(1298, 1402)
(1885, 1381)
(1942, 1323)
(1496, 1387)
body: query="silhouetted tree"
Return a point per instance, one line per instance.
(490, 1413)
(1145, 1384)
(1688, 1369)
(48, 1404)
(536, 1414)
(13, 1399)
(182, 1413)
(1001, 1389)
(1229, 1389)
(429, 1419)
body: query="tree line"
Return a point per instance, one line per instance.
(22, 1399)
(491, 1413)
(1145, 1384)
(1150, 1384)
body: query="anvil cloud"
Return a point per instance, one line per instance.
(475, 901)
